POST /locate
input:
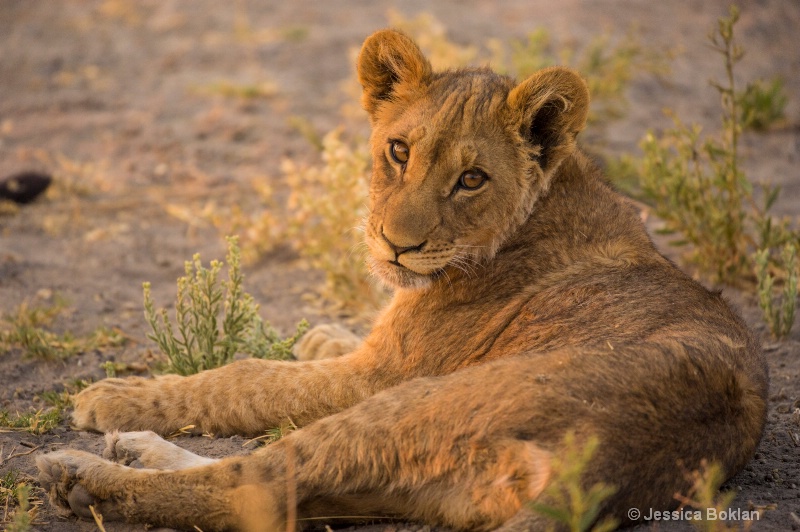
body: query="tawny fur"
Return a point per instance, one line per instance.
(531, 306)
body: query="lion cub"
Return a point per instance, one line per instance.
(529, 302)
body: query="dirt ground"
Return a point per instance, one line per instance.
(109, 96)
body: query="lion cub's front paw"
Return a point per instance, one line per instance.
(123, 404)
(326, 341)
(105, 405)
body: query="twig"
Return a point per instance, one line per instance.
(257, 438)
(98, 518)
(181, 432)
(15, 455)
(2, 449)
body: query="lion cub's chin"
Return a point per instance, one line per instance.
(395, 276)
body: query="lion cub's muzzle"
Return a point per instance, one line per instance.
(417, 258)
(400, 250)
(406, 265)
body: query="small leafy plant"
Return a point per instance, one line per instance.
(704, 495)
(265, 342)
(778, 313)
(274, 434)
(698, 186)
(328, 205)
(9, 483)
(568, 502)
(762, 104)
(214, 319)
(20, 493)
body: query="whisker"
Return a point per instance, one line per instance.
(460, 264)
(449, 282)
(467, 263)
(361, 227)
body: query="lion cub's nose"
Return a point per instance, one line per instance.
(399, 250)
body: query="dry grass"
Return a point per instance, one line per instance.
(328, 206)
(42, 420)
(36, 422)
(29, 329)
(21, 505)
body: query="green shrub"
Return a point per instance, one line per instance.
(202, 342)
(705, 496)
(698, 187)
(569, 504)
(778, 313)
(762, 104)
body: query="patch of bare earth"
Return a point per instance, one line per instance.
(120, 100)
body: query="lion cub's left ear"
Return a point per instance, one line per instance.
(550, 108)
(389, 63)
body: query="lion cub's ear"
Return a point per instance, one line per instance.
(550, 108)
(388, 62)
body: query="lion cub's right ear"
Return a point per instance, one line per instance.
(550, 108)
(389, 62)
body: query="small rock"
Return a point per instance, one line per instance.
(24, 187)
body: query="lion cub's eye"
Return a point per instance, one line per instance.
(399, 152)
(472, 179)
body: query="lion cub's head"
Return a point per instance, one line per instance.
(459, 157)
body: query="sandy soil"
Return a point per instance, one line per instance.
(109, 95)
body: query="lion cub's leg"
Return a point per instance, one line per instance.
(246, 397)
(221, 496)
(430, 449)
(326, 341)
(147, 449)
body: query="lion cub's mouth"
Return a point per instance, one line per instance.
(412, 267)
(395, 274)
